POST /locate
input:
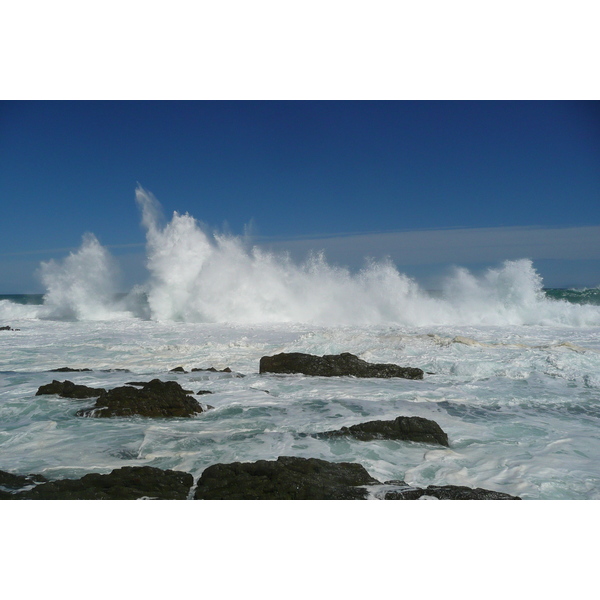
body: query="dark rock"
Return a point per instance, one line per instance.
(213, 370)
(178, 370)
(412, 429)
(448, 492)
(8, 328)
(127, 483)
(287, 478)
(203, 392)
(67, 389)
(67, 370)
(155, 399)
(11, 481)
(333, 365)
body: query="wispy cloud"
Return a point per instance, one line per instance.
(458, 246)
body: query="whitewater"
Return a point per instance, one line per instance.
(512, 371)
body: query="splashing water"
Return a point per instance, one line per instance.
(197, 276)
(83, 286)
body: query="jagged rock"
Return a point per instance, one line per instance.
(126, 483)
(413, 429)
(333, 365)
(67, 389)
(287, 478)
(67, 370)
(155, 399)
(448, 492)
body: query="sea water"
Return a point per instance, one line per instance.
(512, 371)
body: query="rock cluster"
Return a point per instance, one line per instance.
(333, 365)
(287, 478)
(448, 492)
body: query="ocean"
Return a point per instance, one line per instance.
(512, 370)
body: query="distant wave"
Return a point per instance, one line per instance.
(198, 276)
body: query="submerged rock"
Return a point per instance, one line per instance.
(155, 399)
(68, 389)
(287, 478)
(413, 429)
(67, 370)
(333, 365)
(126, 483)
(178, 370)
(448, 492)
(8, 328)
(213, 370)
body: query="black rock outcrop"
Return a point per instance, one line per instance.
(413, 429)
(155, 399)
(67, 370)
(127, 483)
(287, 478)
(333, 365)
(448, 492)
(68, 389)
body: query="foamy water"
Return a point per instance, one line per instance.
(202, 277)
(512, 376)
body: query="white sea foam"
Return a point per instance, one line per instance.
(82, 286)
(199, 276)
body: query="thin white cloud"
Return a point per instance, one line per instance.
(459, 246)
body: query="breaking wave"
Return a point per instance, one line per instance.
(199, 276)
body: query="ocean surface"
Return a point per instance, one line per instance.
(512, 369)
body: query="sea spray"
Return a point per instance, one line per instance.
(199, 276)
(83, 285)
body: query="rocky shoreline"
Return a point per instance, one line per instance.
(287, 477)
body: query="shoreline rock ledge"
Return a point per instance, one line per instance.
(333, 365)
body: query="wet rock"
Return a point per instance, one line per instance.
(203, 392)
(8, 328)
(448, 492)
(213, 370)
(287, 478)
(9, 482)
(412, 429)
(178, 370)
(157, 399)
(333, 365)
(68, 389)
(67, 370)
(127, 483)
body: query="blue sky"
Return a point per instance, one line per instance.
(428, 183)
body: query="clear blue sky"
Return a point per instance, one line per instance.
(295, 169)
